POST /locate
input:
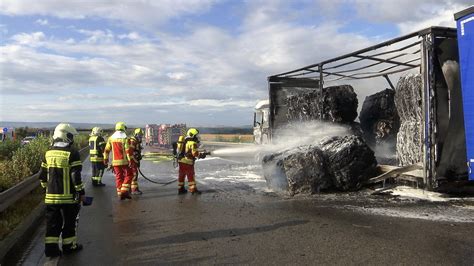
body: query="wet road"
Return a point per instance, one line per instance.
(238, 221)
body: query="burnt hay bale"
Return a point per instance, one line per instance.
(297, 170)
(349, 160)
(334, 104)
(379, 118)
(408, 100)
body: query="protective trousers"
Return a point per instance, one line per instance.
(186, 170)
(134, 184)
(97, 172)
(123, 178)
(61, 219)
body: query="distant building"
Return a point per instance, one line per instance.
(163, 135)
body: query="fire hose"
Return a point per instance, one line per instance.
(152, 181)
(156, 182)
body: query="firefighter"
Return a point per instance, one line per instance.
(118, 144)
(135, 144)
(188, 153)
(60, 175)
(97, 146)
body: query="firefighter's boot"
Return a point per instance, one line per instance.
(72, 248)
(182, 191)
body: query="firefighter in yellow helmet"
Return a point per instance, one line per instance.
(118, 145)
(187, 155)
(60, 175)
(135, 145)
(96, 151)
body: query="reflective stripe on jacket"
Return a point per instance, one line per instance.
(190, 152)
(60, 174)
(118, 144)
(96, 148)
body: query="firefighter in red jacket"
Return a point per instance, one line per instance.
(60, 175)
(118, 144)
(135, 145)
(188, 154)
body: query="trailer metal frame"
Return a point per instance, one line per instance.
(416, 50)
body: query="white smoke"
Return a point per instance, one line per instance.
(292, 136)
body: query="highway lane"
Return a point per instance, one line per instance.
(237, 220)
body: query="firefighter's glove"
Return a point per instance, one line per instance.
(202, 156)
(106, 162)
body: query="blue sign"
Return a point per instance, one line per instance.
(465, 28)
(5, 129)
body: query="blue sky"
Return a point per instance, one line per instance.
(198, 62)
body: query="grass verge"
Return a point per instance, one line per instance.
(15, 214)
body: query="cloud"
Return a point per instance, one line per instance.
(99, 73)
(33, 39)
(134, 13)
(410, 15)
(42, 22)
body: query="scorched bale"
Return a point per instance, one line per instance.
(349, 160)
(298, 170)
(334, 104)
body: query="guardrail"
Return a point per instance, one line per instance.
(17, 192)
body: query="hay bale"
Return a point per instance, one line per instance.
(297, 170)
(379, 118)
(349, 160)
(409, 143)
(408, 98)
(334, 104)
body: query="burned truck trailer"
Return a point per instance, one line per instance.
(427, 95)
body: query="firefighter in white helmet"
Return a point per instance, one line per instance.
(60, 175)
(96, 151)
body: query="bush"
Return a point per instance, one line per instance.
(25, 162)
(7, 148)
(81, 141)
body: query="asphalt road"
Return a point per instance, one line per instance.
(238, 221)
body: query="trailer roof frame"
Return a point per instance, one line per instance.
(392, 65)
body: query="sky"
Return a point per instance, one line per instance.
(200, 62)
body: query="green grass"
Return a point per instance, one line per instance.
(15, 214)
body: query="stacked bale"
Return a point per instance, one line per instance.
(408, 101)
(298, 170)
(379, 119)
(334, 104)
(340, 163)
(350, 161)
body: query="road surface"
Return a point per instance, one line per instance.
(237, 220)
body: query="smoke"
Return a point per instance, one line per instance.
(293, 135)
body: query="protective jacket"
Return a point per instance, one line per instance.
(118, 144)
(60, 174)
(135, 149)
(189, 151)
(96, 146)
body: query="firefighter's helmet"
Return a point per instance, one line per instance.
(138, 131)
(192, 132)
(96, 131)
(65, 132)
(120, 126)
